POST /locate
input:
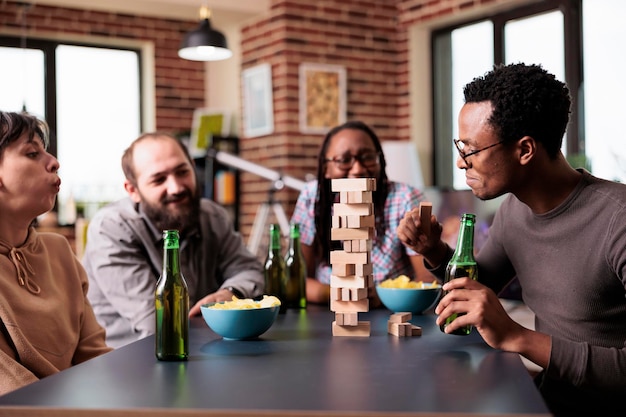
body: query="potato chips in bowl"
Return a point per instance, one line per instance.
(403, 295)
(241, 319)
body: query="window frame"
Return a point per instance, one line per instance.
(48, 47)
(441, 67)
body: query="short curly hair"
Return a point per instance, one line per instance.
(527, 101)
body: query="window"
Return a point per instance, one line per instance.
(90, 97)
(22, 84)
(605, 87)
(549, 33)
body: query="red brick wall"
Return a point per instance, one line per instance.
(367, 37)
(361, 35)
(179, 83)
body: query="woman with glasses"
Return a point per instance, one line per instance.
(352, 150)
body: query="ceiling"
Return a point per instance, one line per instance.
(179, 9)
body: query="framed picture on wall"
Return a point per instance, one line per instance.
(207, 123)
(322, 97)
(258, 107)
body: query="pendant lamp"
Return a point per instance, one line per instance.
(204, 43)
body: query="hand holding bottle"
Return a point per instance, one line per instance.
(484, 311)
(462, 265)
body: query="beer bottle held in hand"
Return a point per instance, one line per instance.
(275, 269)
(295, 268)
(462, 263)
(171, 299)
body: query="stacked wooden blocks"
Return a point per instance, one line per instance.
(399, 325)
(353, 224)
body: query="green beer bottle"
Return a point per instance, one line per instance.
(171, 300)
(295, 270)
(275, 268)
(462, 263)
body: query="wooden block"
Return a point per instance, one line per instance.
(335, 293)
(416, 330)
(351, 319)
(335, 222)
(353, 184)
(403, 329)
(364, 246)
(351, 234)
(351, 281)
(399, 329)
(342, 270)
(344, 197)
(357, 209)
(347, 318)
(401, 317)
(357, 294)
(356, 222)
(357, 245)
(343, 257)
(359, 197)
(360, 306)
(394, 329)
(363, 270)
(426, 210)
(362, 329)
(345, 294)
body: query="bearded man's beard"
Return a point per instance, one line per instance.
(181, 217)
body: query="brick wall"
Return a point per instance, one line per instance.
(361, 35)
(367, 37)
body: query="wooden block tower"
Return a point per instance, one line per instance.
(353, 224)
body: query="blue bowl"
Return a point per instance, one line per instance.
(239, 324)
(411, 300)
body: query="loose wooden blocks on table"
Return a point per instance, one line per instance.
(353, 222)
(399, 325)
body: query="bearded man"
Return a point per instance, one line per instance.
(124, 252)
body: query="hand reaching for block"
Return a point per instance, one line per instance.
(420, 231)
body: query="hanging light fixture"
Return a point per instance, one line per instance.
(204, 43)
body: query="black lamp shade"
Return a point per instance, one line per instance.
(204, 44)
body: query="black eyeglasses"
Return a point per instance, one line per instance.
(345, 162)
(461, 145)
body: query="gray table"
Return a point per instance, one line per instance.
(295, 368)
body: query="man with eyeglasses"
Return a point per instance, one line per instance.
(560, 231)
(353, 150)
